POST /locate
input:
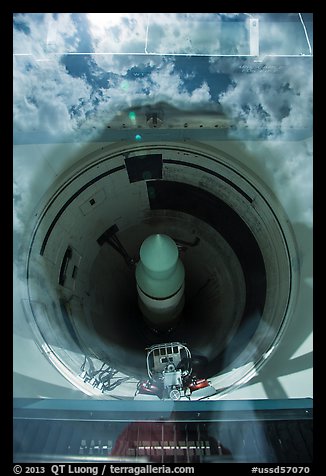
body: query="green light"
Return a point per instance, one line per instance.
(138, 137)
(132, 116)
(124, 85)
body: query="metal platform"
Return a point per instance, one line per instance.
(163, 432)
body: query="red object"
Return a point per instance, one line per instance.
(197, 384)
(149, 388)
(147, 439)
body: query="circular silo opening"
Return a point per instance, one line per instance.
(235, 243)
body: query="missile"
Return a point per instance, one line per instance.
(86, 308)
(160, 278)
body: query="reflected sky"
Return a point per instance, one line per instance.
(74, 73)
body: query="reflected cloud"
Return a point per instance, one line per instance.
(39, 34)
(67, 85)
(78, 70)
(276, 99)
(75, 73)
(290, 165)
(117, 32)
(47, 98)
(66, 97)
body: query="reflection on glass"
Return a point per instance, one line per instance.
(60, 97)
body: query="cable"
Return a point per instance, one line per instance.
(146, 39)
(306, 33)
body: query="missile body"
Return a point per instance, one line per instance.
(160, 281)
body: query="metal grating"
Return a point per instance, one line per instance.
(215, 437)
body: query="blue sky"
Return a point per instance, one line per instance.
(73, 73)
(65, 79)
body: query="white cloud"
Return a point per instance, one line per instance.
(44, 33)
(44, 93)
(49, 99)
(281, 37)
(275, 96)
(168, 86)
(27, 164)
(18, 216)
(273, 99)
(162, 33)
(287, 168)
(117, 32)
(163, 84)
(277, 101)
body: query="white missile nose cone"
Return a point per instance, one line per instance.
(160, 280)
(159, 254)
